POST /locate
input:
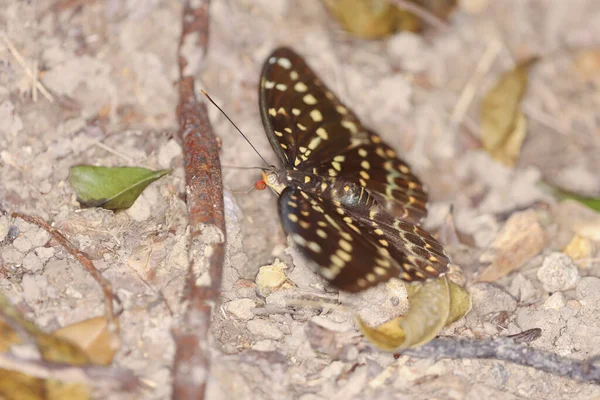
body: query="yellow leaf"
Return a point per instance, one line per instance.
(93, 336)
(373, 19)
(18, 386)
(503, 125)
(433, 305)
(367, 19)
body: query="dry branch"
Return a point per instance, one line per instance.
(507, 349)
(206, 212)
(83, 259)
(92, 375)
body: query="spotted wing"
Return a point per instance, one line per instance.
(352, 252)
(311, 130)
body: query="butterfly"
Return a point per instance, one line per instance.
(348, 203)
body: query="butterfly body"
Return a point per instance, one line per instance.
(349, 204)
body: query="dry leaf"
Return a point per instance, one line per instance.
(93, 337)
(17, 386)
(433, 306)
(580, 248)
(373, 19)
(503, 125)
(520, 239)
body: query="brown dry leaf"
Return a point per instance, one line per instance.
(373, 19)
(503, 125)
(433, 305)
(18, 386)
(93, 337)
(520, 239)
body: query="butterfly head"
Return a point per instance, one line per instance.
(271, 178)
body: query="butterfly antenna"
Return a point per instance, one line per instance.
(251, 188)
(235, 126)
(238, 167)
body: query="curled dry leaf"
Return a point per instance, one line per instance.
(433, 305)
(520, 239)
(503, 124)
(18, 386)
(111, 188)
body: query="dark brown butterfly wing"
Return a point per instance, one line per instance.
(311, 131)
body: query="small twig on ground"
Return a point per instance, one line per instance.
(83, 259)
(23, 64)
(470, 89)
(191, 366)
(422, 13)
(91, 375)
(506, 349)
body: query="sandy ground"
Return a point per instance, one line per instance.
(110, 68)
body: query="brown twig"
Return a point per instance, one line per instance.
(507, 349)
(83, 259)
(92, 375)
(206, 212)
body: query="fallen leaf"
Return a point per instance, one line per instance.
(18, 386)
(581, 250)
(94, 337)
(433, 305)
(373, 19)
(503, 125)
(590, 202)
(111, 188)
(520, 239)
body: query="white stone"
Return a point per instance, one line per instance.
(32, 262)
(264, 328)
(45, 253)
(488, 298)
(555, 302)
(241, 308)
(22, 244)
(11, 255)
(558, 273)
(588, 292)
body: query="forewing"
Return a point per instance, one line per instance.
(305, 122)
(310, 129)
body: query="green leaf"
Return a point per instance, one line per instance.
(111, 188)
(591, 202)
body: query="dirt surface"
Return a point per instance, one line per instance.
(110, 70)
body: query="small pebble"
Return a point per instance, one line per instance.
(241, 308)
(558, 273)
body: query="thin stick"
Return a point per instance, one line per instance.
(422, 13)
(91, 375)
(191, 365)
(83, 259)
(23, 64)
(470, 90)
(507, 350)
